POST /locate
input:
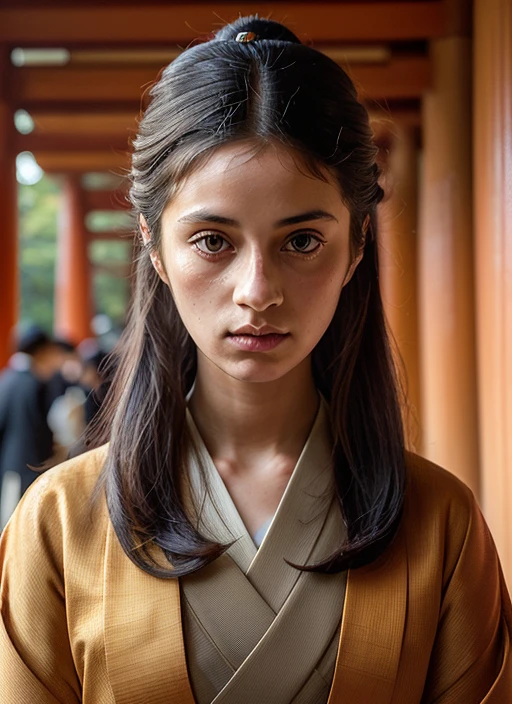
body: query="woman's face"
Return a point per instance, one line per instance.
(256, 253)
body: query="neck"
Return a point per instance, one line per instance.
(244, 422)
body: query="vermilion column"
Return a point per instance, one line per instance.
(9, 216)
(446, 278)
(493, 228)
(398, 263)
(73, 296)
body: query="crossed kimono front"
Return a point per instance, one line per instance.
(81, 623)
(250, 612)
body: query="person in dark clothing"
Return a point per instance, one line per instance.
(26, 440)
(95, 383)
(68, 374)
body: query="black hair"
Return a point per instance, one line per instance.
(32, 339)
(265, 87)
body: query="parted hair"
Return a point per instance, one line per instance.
(273, 89)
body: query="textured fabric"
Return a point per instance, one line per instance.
(429, 622)
(245, 613)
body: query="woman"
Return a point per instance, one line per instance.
(254, 530)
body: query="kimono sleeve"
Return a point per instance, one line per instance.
(36, 663)
(471, 660)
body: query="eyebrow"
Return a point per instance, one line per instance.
(206, 216)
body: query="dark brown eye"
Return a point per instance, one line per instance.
(303, 243)
(211, 244)
(214, 243)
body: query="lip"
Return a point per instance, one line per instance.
(256, 332)
(248, 342)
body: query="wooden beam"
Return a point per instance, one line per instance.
(100, 123)
(446, 267)
(105, 200)
(111, 235)
(72, 84)
(402, 77)
(9, 266)
(35, 142)
(405, 116)
(83, 162)
(353, 53)
(73, 293)
(492, 159)
(123, 126)
(142, 25)
(55, 144)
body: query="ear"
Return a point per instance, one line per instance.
(155, 258)
(353, 266)
(359, 255)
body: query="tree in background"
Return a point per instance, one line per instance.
(38, 223)
(38, 210)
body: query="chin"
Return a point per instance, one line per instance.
(259, 368)
(262, 372)
(253, 372)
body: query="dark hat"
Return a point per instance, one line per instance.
(31, 338)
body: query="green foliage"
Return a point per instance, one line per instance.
(101, 220)
(38, 224)
(38, 212)
(111, 251)
(111, 259)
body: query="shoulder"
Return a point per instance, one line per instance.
(6, 376)
(434, 492)
(440, 512)
(52, 556)
(61, 508)
(69, 482)
(9, 379)
(18, 383)
(428, 483)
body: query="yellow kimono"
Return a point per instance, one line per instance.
(430, 621)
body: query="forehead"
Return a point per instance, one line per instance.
(254, 174)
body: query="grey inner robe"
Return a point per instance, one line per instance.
(257, 630)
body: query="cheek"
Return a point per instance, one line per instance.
(183, 276)
(194, 290)
(321, 290)
(315, 303)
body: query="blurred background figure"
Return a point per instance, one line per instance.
(75, 395)
(93, 381)
(69, 373)
(26, 440)
(66, 399)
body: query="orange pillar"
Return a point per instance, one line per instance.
(493, 230)
(446, 279)
(398, 262)
(9, 215)
(73, 297)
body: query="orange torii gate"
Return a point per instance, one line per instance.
(411, 58)
(84, 112)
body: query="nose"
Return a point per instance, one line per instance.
(258, 284)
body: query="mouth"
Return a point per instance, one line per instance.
(259, 341)
(252, 331)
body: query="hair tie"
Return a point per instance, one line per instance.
(245, 37)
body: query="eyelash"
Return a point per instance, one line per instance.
(216, 255)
